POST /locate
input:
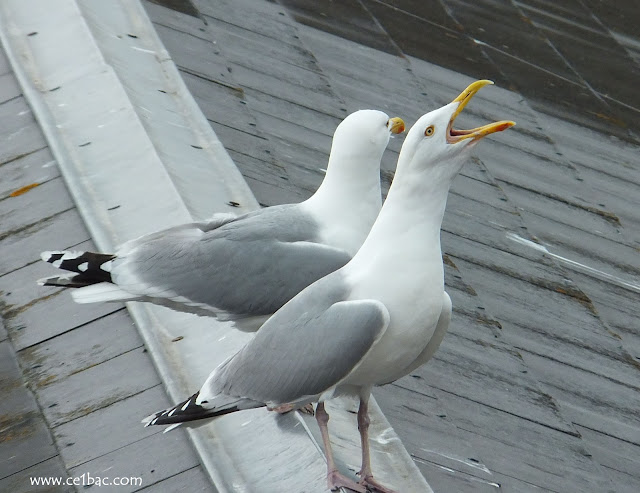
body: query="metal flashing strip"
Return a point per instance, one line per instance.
(138, 155)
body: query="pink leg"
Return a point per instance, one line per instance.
(366, 476)
(287, 408)
(335, 480)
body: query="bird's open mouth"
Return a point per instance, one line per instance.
(454, 135)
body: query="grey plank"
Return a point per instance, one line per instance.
(117, 425)
(517, 448)
(305, 175)
(519, 37)
(600, 152)
(195, 55)
(285, 131)
(618, 308)
(145, 459)
(552, 175)
(435, 442)
(476, 169)
(573, 37)
(471, 319)
(296, 76)
(268, 182)
(300, 155)
(240, 43)
(9, 87)
(480, 191)
(311, 118)
(563, 210)
(79, 394)
(619, 457)
(550, 323)
(491, 374)
(25, 440)
(168, 16)
(532, 270)
(5, 68)
(589, 248)
(347, 62)
(490, 226)
(26, 306)
(359, 95)
(77, 350)
(264, 18)
(348, 19)
(317, 96)
(19, 134)
(221, 104)
(616, 195)
(44, 201)
(256, 146)
(589, 399)
(196, 480)
(443, 478)
(37, 166)
(24, 246)
(50, 468)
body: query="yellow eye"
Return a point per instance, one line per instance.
(429, 131)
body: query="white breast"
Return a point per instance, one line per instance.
(414, 301)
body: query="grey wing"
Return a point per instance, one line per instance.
(181, 230)
(299, 354)
(216, 221)
(244, 268)
(242, 278)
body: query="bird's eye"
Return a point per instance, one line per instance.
(429, 131)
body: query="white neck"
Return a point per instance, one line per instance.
(348, 201)
(406, 235)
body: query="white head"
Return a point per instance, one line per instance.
(353, 171)
(433, 144)
(349, 199)
(366, 132)
(360, 140)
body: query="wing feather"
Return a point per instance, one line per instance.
(306, 348)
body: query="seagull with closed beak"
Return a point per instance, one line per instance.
(245, 268)
(369, 323)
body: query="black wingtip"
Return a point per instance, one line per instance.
(185, 412)
(90, 266)
(71, 281)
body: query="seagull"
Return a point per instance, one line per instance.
(245, 268)
(370, 322)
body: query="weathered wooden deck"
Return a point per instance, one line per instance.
(535, 388)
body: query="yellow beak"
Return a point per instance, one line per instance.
(454, 136)
(396, 125)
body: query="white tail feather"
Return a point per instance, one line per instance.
(171, 427)
(100, 292)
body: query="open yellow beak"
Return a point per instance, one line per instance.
(396, 125)
(454, 135)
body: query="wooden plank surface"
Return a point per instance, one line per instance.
(66, 370)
